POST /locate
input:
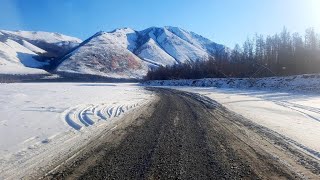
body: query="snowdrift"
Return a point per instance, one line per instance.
(300, 83)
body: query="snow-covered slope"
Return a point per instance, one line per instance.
(181, 50)
(22, 52)
(197, 40)
(49, 37)
(32, 47)
(17, 59)
(106, 54)
(150, 51)
(54, 43)
(125, 53)
(126, 38)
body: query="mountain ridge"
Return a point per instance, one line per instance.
(151, 47)
(121, 53)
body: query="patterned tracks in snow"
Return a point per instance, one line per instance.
(311, 112)
(88, 115)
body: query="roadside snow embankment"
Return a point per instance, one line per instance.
(309, 83)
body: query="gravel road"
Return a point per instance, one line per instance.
(186, 136)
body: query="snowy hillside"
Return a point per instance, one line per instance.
(126, 53)
(17, 59)
(105, 54)
(32, 47)
(24, 52)
(198, 41)
(181, 50)
(151, 51)
(180, 44)
(54, 43)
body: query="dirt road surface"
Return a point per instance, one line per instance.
(187, 136)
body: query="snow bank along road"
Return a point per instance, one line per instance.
(187, 136)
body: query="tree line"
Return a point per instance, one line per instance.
(281, 54)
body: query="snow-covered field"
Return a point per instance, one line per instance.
(294, 115)
(42, 121)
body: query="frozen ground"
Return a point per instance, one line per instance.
(40, 121)
(294, 115)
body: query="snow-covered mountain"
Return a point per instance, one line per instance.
(106, 54)
(53, 43)
(24, 52)
(122, 53)
(126, 53)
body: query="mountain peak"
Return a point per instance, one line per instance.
(99, 33)
(173, 27)
(123, 30)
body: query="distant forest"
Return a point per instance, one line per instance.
(278, 55)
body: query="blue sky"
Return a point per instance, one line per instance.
(223, 21)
